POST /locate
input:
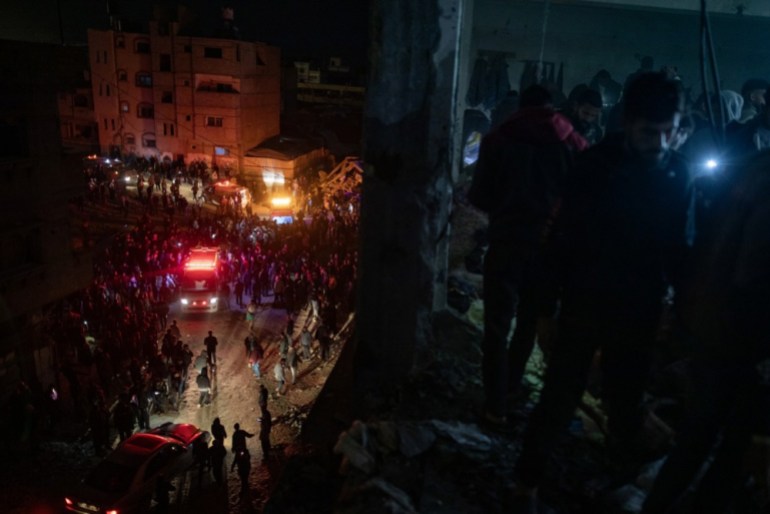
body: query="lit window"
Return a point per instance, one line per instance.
(148, 140)
(144, 79)
(212, 121)
(130, 139)
(218, 150)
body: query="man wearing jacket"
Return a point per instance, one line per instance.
(618, 245)
(518, 182)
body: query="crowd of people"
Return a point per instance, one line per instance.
(123, 359)
(604, 231)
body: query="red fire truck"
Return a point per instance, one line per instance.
(200, 280)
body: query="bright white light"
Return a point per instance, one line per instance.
(711, 164)
(184, 301)
(214, 300)
(280, 201)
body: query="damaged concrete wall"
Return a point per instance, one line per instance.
(409, 149)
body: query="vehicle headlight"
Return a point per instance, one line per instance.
(127, 179)
(184, 301)
(214, 300)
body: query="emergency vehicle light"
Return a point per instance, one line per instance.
(280, 201)
(199, 264)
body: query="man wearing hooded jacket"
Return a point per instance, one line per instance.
(617, 246)
(518, 180)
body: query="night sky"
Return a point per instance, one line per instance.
(301, 28)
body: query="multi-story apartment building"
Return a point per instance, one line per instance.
(168, 95)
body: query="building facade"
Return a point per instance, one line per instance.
(79, 133)
(170, 96)
(42, 253)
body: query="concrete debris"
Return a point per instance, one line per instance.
(415, 439)
(376, 496)
(352, 446)
(464, 434)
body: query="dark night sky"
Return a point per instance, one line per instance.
(309, 28)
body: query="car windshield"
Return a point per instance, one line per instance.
(111, 477)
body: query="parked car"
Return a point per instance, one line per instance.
(124, 482)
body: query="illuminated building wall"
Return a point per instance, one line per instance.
(166, 95)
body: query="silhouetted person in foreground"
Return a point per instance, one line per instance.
(618, 245)
(725, 310)
(243, 462)
(163, 489)
(522, 167)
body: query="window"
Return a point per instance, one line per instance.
(187, 49)
(166, 97)
(143, 79)
(123, 75)
(120, 42)
(104, 54)
(172, 128)
(187, 118)
(101, 89)
(130, 139)
(142, 46)
(107, 89)
(165, 62)
(105, 124)
(80, 101)
(220, 151)
(112, 123)
(168, 129)
(124, 106)
(212, 53)
(212, 121)
(145, 110)
(148, 140)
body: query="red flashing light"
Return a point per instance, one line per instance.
(202, 259)
(113, 511)
(200, 264)
(67, 501)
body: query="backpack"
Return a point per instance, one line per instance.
(203, 382)
(200, 363)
